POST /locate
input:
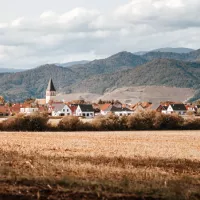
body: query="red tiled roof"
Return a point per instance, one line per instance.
(15, 108)
(41, 101)
(73, 108)
(4, 109)
(105, 106)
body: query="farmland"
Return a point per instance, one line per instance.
(100, 165)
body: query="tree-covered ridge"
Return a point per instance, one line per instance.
(120, 70)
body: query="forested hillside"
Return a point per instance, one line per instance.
(120, 70)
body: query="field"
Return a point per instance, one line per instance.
(100, 165)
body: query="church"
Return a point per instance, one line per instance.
(50, 94)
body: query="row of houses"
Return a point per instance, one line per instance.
(55, 108)
(91, 110)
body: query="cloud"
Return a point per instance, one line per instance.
(88, 33)
(161, 13)
(17, 22)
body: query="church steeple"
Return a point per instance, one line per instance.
(50, 92)
(51, 87)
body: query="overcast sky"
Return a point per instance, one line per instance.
(37, 32)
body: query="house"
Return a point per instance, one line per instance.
(177, 108)
(15, 108)
(73, 109)
(28, 110)
(162, 109)
(60, 109)
(40, 102)
(123, 111)
(96, 108)
(85, 110)
(142, 106)
(105, 108)
(197, 109)
(4, 110)
(117, 104)
(190, 108)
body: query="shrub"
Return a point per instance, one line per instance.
(109, 123)
(70, 123)
(169, 122)
(20, 122)
(192, 124)
(1, 126)
(142, 120)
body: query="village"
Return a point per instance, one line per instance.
(84, 109)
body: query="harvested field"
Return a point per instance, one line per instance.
(100, 165)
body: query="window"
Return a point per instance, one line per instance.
(83, 114)
(63, 110)
(88, 115)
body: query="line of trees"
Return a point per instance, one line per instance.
(149, 120)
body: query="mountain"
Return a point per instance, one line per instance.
(123, 69)
(122, 60)
(33, 83)
(69, 64)
(157, 72)
(10, 70)
(193, 56)
(167, 49)
(140, 53)
(174, 50)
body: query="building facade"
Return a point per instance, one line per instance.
(50, 92)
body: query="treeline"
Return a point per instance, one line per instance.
(149, 120)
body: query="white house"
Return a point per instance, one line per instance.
(60, 109)
(180, 109)
(162, 109)
(28, 110)
(121, 111)
(84, 110)
(105, 109)
(117, 111)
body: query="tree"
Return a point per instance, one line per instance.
(29, 101)
(100, 101)
(2, 100)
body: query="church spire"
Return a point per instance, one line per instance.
(50, 92)
(50, 86)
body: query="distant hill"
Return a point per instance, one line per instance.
(10, 70)
(157, 72)
(32, 83)
(121, 70)
(193, 56)
(174, 50)
(122, 60)
(167, 49)
(69, 64)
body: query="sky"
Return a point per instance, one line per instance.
(38, 32)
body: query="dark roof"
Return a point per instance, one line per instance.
(164, 107)
(178, 106)
(86, 108)
(58, 107)
(116, 109)
(50, 86)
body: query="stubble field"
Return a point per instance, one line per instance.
(100, 165)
